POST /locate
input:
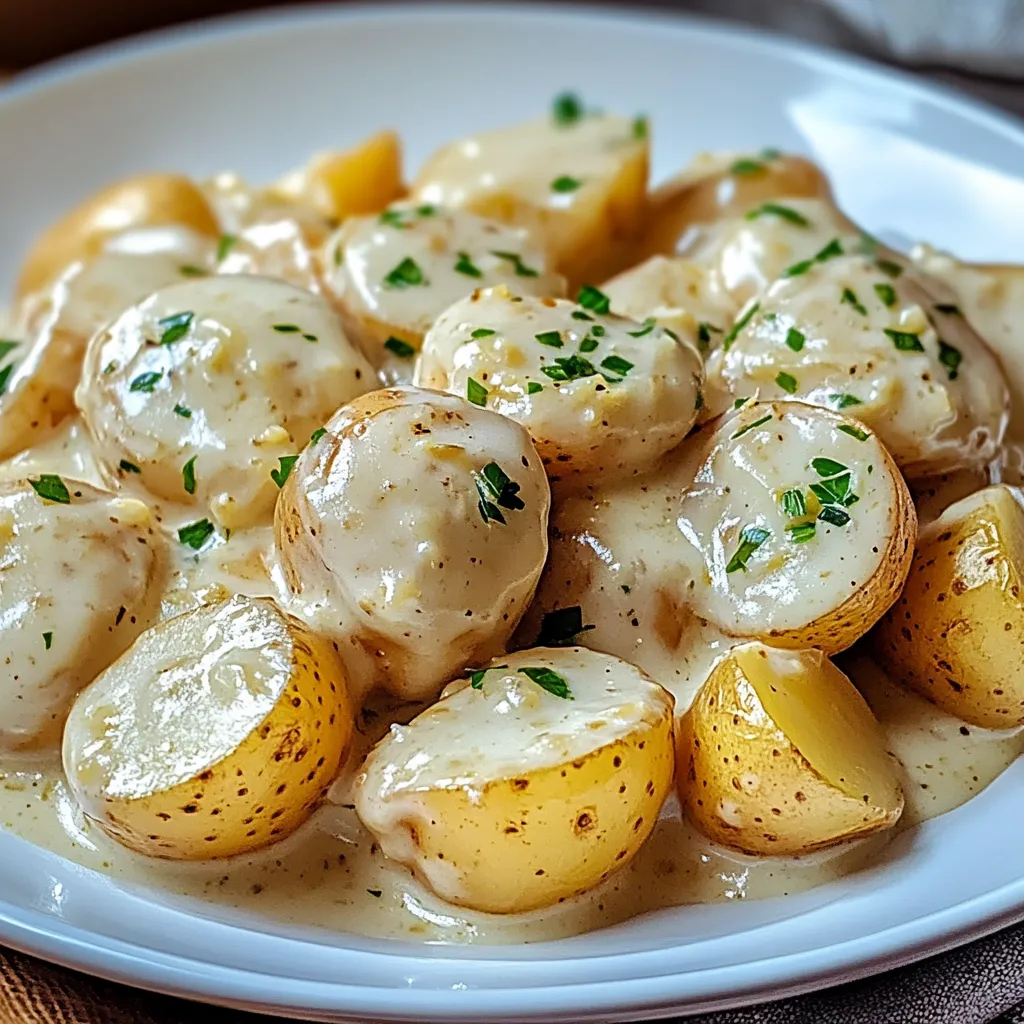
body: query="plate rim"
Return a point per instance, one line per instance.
(38, 934)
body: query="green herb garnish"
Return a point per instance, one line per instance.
(849, 428)
(641, 127)
(284, 470)
(400, 348)
(594, 299)
(887, 294)
(191, 270)
(889, 268)
(476, 678)
(559, 628)
(616, 364)
(48, 639)
(482, 332)
(566, 109)
(830, 251)
(317, 434)
(517, 263)
(565, 184)
(801, 533)
(749, 426)
(196, 534)
(739, 325)
(649, 325)
(834, 516)
(842, 401)
(704, 332)
(51, 487)
(795, 339)
(225, 245)
(476, 392)
(588, 344)
(569, 368)
(548, 680)
(828, 467)
(904, 340)
(175, 327)
(849, 298)
(406, 275)
(787, 213)
(751, 538)
(188, 475)
(786, 381)
(495, 488)
(532, 388)
(464, 265)
(183, 411)
(793, 504)
(746, 166)
(951, 358)
(553, 339)
(287, 328)
(145, 382)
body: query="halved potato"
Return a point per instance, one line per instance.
(580, 187)
(527, 783)
(844, 334)
(216, 733)
(392, 275)
(273, 248)
(719, 185)
(804, 526)
(81, 574)
(201, 389)
(780, 755)
(150, 200)
(414, 532)
(601, 395)
(956, 634)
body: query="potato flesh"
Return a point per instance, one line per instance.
(637, 399)
(261, 365)
(356, 181)
(213, 735)
(381, 537)
(814, 777)
(78, 583)
(823, 592)
(508, 798)
(933, 414)
(509, 174)
(956, 633)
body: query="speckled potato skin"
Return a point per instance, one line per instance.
(734, 761)
(845, 625)
(956, 634)
(267, 787)
(522, 843)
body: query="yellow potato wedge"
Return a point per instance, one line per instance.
(216, 733)
(527, 783)
(151, 200)
(956, 634)
(780, 755)
(356, 181)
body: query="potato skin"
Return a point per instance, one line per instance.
(747, 786)
(264, 789)
(956, 634)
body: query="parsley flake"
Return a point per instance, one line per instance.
(569, 368)
(649, 325)
(849, 298)
(553, 339)
(5, 376)
(578, 314)
(801, 533)
(751, 538)
(588, 344)
(951, 358)
(849, 428)
(738, 326)
(834, 516)
(225, 245)
(559, 628)
(889, 268)
(287, 328)
(746, 167)
(565, 184)
(830, 251)
(183, 411)
(406, 275)
(795, 339)
(828, 467)
(641, 127)
(786, 381)
(48, 639)
(887, 294)
(594, 299)
(520, 268)
(196, 534)
(749, 426)
(476, 678)
(145, 382)
(616, 364)
(175, 327)
(841, 401)
(566, 109)
(532, 388)
(317, 434)
(786, 213)
(464, 265)
(400, 348)
(51, 487)
(793, 504)
(191, 270)
(284, 470)
(904, 340)
(495, 488)
(476, 392)
(482, 332)
(548, 680)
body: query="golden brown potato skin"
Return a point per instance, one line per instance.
(956, 634)
(150, 200)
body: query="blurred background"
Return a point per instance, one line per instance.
(976, 44)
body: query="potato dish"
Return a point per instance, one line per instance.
(501, 551)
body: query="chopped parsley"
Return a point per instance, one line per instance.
(225, 245)
(196, 534)
(588, 344)
(400, 348)
(704, 332)
(948, 307)
(317, 434)
(594, 299)
(482, 332)
(834, 491)
(795, 339)
(406, 275)
(5, 376)
(175, 327)
(521, 269)
(830, 251)
(751, 538)
(745, 167)
(849, 298)
(827, 467)
(109, 368)
(7, 347)
(183, 411)
(749, 427)
(191, 270)
(616, 364)
(569, 368)
(476, 392)
(464, 265)
(548, 680)
(649, 325)
(50, 487)
(738, 326)
(287, 328)
(834, 516)
(145, 382)
(559, 628)
(951, 358)
(786, 381)
(887, 294)
(578, 314)
(284, 470)
(565, 184)
(801, 533)
(849, 428)
(793, 504)
(889, 268)
(129, 467)
(566, 109)
(787, 213)
(188, 475)
(48, 639)
(532, 388)
(904, 340)
(476, 678)
(495, 488)
(397, 218)
(841, 401)
(553, 339)
(641, 127)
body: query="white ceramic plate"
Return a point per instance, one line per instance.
(258, 95)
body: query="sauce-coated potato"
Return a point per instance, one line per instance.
(780, 755)
(578, 185)
(216, 733)
(225, 374)
(601, 395)
(414, 532)
(526, 784)
(804, 525)
(956, 634)
(81, 573)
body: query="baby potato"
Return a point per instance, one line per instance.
(150, 200)
(393, 274)
(719, 185)
(81, 573)
(57, 323)
(215, 734)
(956, 634)
(600, 394)
(205, 386)
(804, 525)
(578, 184)
(780, 755)
(273, 248)
(527, 783)
(843, 334)
(413, 533)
